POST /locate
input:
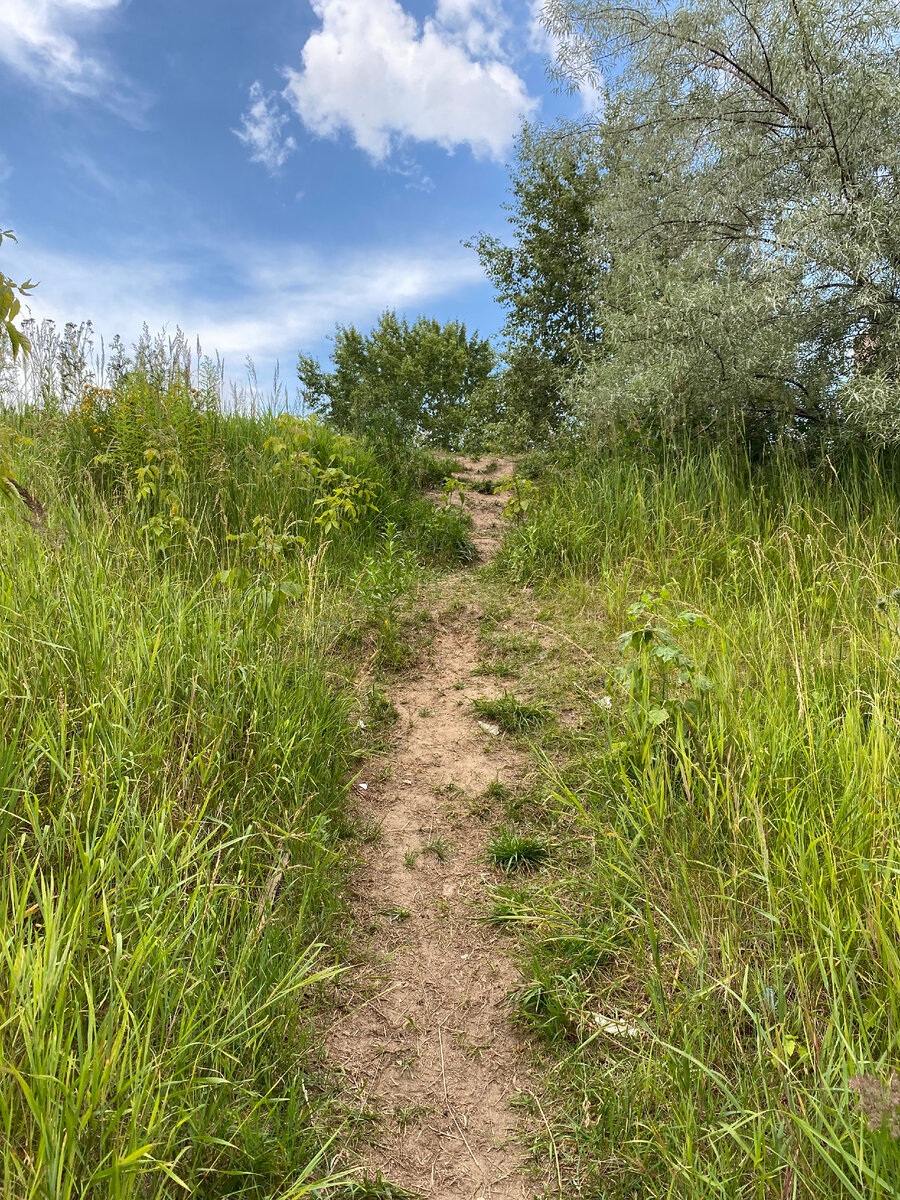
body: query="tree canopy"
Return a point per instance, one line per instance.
(402, 380)
(546, 276)
(741, 243)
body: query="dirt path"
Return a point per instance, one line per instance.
(424, 1037)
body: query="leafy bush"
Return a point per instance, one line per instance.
(403, 382)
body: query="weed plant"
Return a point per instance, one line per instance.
(714, 958)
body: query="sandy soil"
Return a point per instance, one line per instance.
(422, 1031)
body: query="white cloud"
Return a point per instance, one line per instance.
(35, 41)
(40, 40)
(479, 24)
(261, 130)
(278, 299)
(373, 71)
(540, 39)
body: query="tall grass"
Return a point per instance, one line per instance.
(175, 749)
(716, 956)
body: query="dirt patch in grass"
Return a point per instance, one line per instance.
(422, 1030)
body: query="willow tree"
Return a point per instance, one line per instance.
(750, 159)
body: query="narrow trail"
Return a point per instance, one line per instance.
(423, 1034)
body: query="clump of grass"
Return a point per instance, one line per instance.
(483, 487)
(376, 1188)
(396, 915)
(410, 1114)
(439, 848)
(380, 708)
(511, 714)
(511, 850)
(482, 806)
(368, 830)
(498, 668)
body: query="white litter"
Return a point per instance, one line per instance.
(493, 730)
(614, 1028)
(364, 786)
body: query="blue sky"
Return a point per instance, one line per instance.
(257, 172)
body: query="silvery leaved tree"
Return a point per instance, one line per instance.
(746, 223)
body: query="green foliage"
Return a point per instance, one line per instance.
(176, 744)
(402, 381)
(511, 714)
(11, 295)
(263, 575)
(441, 535)
(662, 681)
(523, 495)
(511, 850)
(745, 224)
(547, 277)
(347, 496)
(384, 580)
(164, 756)
(376, 1188)
(156, 443)
(439, 848)
(10, 440)
(455, 487)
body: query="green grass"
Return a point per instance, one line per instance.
(376, 1189)
(178, 721)
(439, 847)
(510, 850)
(710, 954)
(713, 957)
(510, 714)
(496, 791)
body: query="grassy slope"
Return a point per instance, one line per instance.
(173, 767)
(712, 951)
